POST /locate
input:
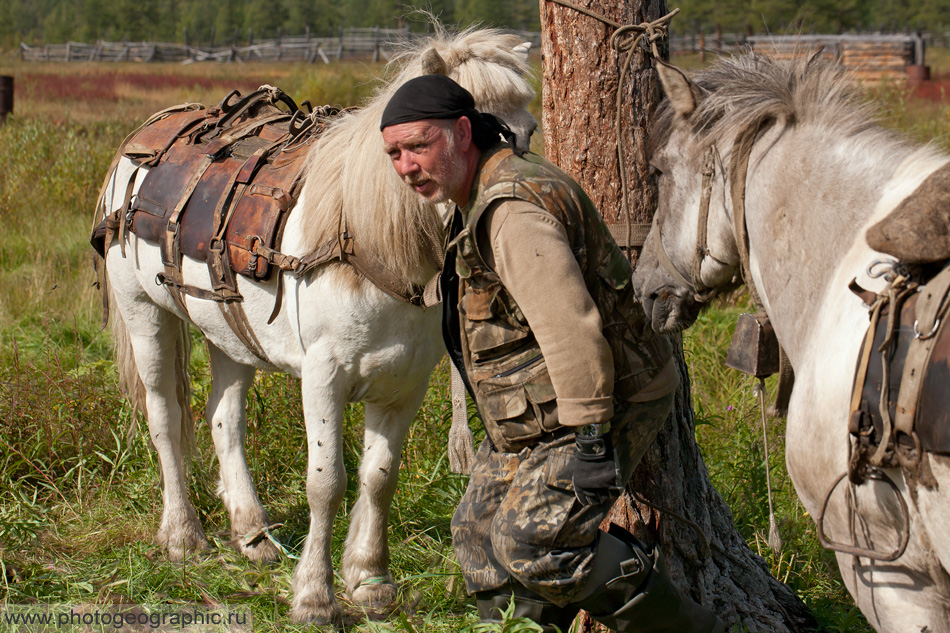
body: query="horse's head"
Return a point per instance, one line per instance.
(492, 65)
(690, 254)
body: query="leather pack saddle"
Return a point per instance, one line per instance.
(220, 184)
(900, 408)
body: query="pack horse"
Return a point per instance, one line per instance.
(773, 173)
(287, 239)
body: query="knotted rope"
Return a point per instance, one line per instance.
(626, 40)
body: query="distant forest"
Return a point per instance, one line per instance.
(51, 21)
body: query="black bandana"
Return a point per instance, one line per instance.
(438, 97)
(428, 97)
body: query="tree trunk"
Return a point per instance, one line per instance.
(580, 81)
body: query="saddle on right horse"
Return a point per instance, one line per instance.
(900, 407)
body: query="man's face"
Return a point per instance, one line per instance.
(426, 159)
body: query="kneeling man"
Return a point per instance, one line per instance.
(570, 381)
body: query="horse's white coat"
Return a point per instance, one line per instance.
(817, 180)
(342, 336)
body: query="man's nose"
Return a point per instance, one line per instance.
(406, 164)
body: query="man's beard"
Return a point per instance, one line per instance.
(448, 176)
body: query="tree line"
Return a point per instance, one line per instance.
(50, 21)
(227, 21)
(817, 16)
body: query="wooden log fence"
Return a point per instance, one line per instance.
(374, 43)
(870, 56)
(352, 43)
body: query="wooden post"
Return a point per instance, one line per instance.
(6, 96)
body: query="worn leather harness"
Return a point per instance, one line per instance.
(220, 185)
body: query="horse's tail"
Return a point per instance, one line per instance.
(131, 383)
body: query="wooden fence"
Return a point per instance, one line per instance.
(869, 56)
(352, 43)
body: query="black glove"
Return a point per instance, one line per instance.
(595, 475)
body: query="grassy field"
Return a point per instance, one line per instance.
(79, 491)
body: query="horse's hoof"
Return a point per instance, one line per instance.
(263, 551)
(178, 554)
(375, 596)
(177, 545)
(319, 616)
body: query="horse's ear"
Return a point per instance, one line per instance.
(433, 64)
(523, 49)
(684, 94)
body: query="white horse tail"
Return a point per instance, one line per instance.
(131, 384)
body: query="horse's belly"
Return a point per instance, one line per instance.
(277, 340)
(384, 346)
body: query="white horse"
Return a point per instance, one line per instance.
(820, 172)
(346, 339)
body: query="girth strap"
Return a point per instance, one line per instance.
(342, 250)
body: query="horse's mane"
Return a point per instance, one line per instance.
(738, 91)
(347, 170)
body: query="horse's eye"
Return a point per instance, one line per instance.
(655, 172)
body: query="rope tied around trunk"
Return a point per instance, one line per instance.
(626, 40)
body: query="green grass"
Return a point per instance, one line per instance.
(79, 484)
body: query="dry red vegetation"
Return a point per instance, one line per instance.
(103, 86)
(937, 89)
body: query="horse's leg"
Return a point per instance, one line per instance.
(226, 415)
(323, 395)
(909, 594)
(366, 555)
(153, 334)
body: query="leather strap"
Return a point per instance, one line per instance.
(931, 310)
(171, 240)
(236, 318)
(123, 225)
(738, 173)
(195, 291)
(702, 221)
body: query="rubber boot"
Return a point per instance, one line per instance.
(527, 605)
(629, 590)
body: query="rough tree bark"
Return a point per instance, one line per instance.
(580, 81)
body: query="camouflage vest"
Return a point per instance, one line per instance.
(503, 361)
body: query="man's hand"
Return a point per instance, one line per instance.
(595, 475)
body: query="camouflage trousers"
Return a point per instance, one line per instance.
(519, 520)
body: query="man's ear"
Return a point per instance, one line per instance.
(463, 133)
